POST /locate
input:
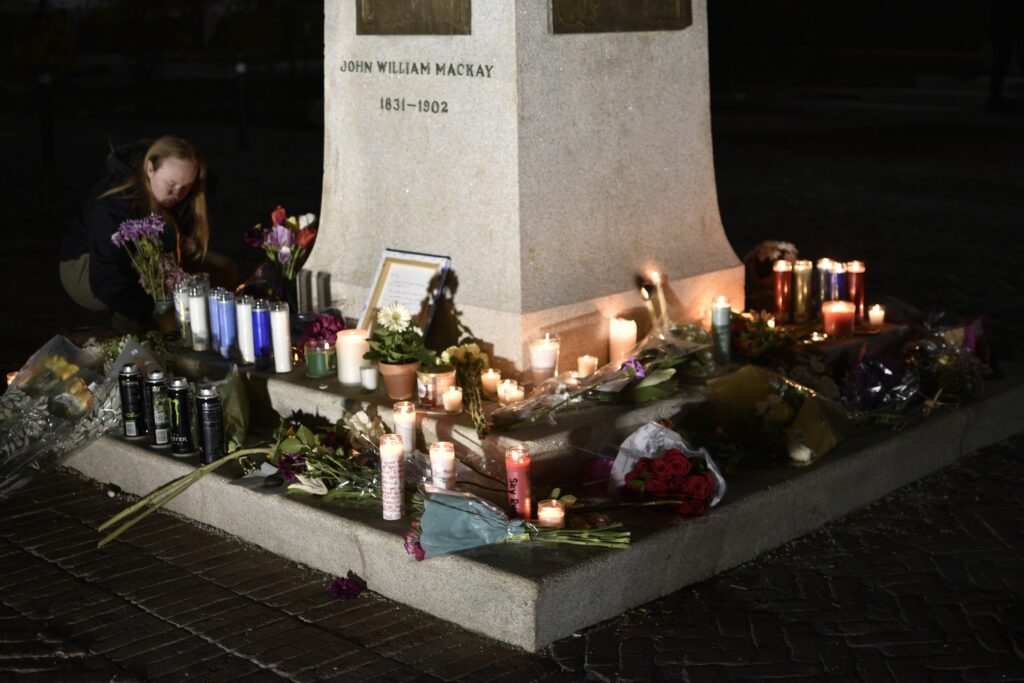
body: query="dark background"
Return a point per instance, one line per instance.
(847, 128)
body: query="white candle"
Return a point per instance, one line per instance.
(503, 389)
(243, 318)
(544, 358)
(405, 424)
(442, 464)
(515, 394)
(489, 379)
(621, 338)
(452, 399)
(551, 513)
(392, 479)
(352, 346)
(586, 365)
(876, 315)
(198, 319)
(281, 334)
(369, 378)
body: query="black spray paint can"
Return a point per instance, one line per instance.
(133, 413)
(211, 424)
(182, 416)
(157, 419)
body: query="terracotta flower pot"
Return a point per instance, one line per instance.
(400, 380)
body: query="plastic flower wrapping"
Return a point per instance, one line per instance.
(658, 367)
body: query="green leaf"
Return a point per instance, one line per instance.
(290, 445)
(647, 394)
(306, 436)
(656, 377)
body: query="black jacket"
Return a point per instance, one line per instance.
(112, 278)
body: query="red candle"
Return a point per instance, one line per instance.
(838, 318)
(517, 465)
(783, 271)
(855, 285)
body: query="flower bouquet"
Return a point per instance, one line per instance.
(469, 361)
(158, 271)
(661, 364)
(287, 242)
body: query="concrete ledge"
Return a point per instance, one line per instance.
(530, 595)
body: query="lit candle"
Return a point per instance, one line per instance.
(489, 379)
(405, 424)
(876, 315)
(181, 311)
(824, 267)
(517, 467)
(228, 323)
(504, 387)
(586, 365)
(551, 513)
(649, 305)
(352, 346)
(855, 285)
(280, 332)
(837, 288)
(721, 325)
(655, 278)
(838, 318)
(544, 358)
(369, 377)
(197, 317)
(783, 272)
(243, 320)
(802, 271)
(515, 394)
(392, 476)
(452, 399)
(442, 464)
(818, 336)
(621, 339)
(261, 340)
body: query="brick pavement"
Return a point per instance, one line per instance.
(926, 584)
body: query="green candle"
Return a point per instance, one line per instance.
(321, 359)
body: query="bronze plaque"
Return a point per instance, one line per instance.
(607, 16)
(412, 17)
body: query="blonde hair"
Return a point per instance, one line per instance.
(138, 190)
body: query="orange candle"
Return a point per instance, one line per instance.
(838, 318)
(517, 466)
(855, 285)
(783, 271)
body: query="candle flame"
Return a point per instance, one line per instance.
(644, 294)
(655, 277)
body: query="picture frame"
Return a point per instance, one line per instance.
(411, 278)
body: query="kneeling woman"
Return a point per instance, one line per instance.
(166, 177)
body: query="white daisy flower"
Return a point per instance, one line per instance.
(394, 317)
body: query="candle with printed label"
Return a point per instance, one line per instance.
(517, 467)
(392, 476)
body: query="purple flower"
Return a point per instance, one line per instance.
(283, 255)
(345, 589)
(279, 236)
(413, 547)
(636, 366)
(291, 464)
(137, 229)
(254, 236)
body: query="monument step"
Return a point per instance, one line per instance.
(530, 595)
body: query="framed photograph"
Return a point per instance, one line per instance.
(413, 279)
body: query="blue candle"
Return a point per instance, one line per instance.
(213, 306)
(824, 281)
(838, 288)
(261, 339)
(228, 325)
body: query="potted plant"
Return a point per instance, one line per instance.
(397, 345)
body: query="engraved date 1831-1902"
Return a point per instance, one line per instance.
(420, 106)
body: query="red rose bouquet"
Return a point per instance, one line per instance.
(673, 476)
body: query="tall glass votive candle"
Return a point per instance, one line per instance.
(181, 311)
(352, 346)
(392, 476)
(586, 365)
(544, 358)
(262, 342)
(837, 289)
(442, 465)
(321, 358)
(198, 318)
(517, 468)
(213, 306)
(281, 335)
(855, 271)
(551, 513)
(621, 339)
(837, 317)
(721, 329)
(228, 323)
(405, 424)
(243, 320)
(489, 379)
(802, 271)
(782, 277)
(824, 280)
